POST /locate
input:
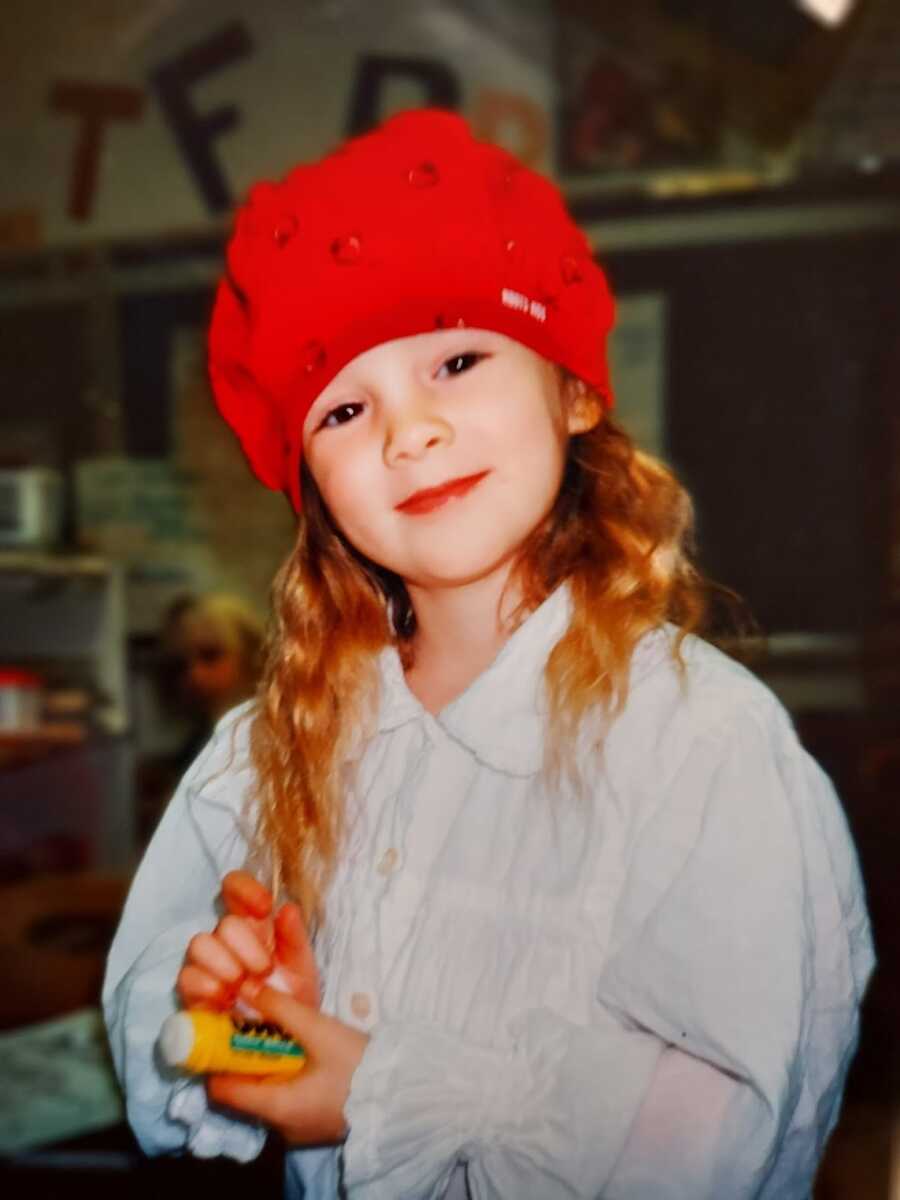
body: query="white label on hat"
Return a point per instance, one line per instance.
(516, 300)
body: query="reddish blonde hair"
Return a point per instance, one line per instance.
(619, 532)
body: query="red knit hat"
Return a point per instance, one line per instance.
(411, 228)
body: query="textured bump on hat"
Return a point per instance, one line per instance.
(413, 227)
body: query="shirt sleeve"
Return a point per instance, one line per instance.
(173, 896)
(725, 1017)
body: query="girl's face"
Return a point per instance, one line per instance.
(467, 408)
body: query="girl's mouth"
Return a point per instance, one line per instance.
(429, 499)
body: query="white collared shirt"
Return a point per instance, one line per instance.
(648, 991)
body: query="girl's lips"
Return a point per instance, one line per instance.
(431, 498)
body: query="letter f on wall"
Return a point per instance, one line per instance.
(193, 131)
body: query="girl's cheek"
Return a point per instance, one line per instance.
(324, 467)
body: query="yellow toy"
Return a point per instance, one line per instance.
(200, 1042)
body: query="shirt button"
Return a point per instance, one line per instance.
(388, 861)
(360, 1005)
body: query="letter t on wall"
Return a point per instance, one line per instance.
(96, 104)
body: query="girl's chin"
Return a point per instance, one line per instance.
(445, 575)
(436, 562)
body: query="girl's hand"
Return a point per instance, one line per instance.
(246, 945)
(308, 1109)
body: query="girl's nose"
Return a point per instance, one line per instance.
(413, 428)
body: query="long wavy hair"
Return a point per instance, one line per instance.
(620, 533)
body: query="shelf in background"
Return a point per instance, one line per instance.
(67, 609)
(48, 564)
(21, 746)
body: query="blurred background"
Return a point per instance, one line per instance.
(736, 165)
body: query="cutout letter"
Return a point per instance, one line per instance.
(95, 104)
(439, 85)
(193, 131)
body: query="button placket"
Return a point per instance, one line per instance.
(394, 884)
(435, 797)
(356, 962)
(390, 855)
(365, 957)
(442, 789)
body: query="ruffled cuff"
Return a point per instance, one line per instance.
(553, 1112)
(416, 1103)
(211, 1133)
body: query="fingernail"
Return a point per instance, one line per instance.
(243, 1005)
(278, 980)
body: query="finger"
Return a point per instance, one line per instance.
(239, 936)
(212, 955)
(320, 1036)
(260, 1096)
(197, 988)
(245, 896)
(294, 954)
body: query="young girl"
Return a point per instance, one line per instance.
(585, 919)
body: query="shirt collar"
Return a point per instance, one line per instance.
(501, 717)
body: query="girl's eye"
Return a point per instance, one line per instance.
(458, 364)
(340, 415)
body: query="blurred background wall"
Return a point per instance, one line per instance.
(735, 165)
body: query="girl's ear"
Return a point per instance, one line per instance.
(584, 410)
